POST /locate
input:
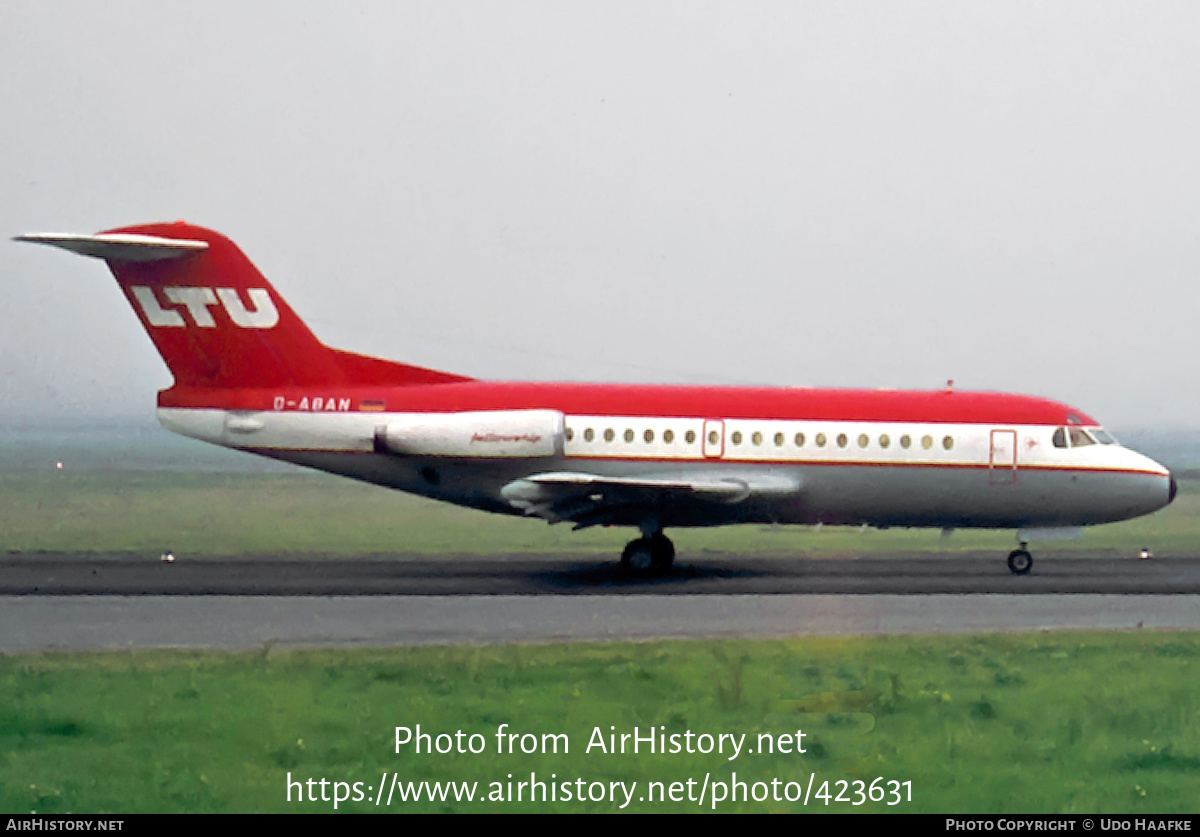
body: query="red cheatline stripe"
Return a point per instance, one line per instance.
(864, 464)
(698, 460)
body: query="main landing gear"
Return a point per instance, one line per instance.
(1020, 561)
(648, 555)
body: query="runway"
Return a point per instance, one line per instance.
(242, 623)
(526, 575)
(87, 602)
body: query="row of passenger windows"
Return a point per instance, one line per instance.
(736, 438)
(589, 435)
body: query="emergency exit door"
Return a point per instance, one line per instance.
(714, 438)
(1002, 460)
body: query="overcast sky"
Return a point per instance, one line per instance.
(832, 194)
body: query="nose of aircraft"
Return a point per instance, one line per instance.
(1159, 491)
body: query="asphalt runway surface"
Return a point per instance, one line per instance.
(56, 602)
(525, 575)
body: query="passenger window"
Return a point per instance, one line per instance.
(649, 436)
(778, 440)
(668, 436)
(842, 440)
(884, 440)
(713, 437)
(690, 437)
(756, 438)
(589, 435)
(609, 435)
(906, 441)
(948, 442)
(863, 440)
(570, 434)
(927, 442)
(820, 440)
(1060, 437)
(628, 435)
(799, 440)
(736, 438)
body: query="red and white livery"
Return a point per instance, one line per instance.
(250, 375)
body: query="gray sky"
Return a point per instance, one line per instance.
(833, 194)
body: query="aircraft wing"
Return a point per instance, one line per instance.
(592, 499)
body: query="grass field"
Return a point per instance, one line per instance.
(303, 513)
(1084, 723)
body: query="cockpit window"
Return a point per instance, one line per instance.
(1102, 436)
(1080, 438)
(1060, 437)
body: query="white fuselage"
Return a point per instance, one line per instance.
(876, 472)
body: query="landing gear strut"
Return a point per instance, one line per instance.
(650, 555)
(1020, 561)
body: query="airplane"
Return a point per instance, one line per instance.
(250, 375)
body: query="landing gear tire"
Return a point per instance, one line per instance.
(1020, 561)
(663, 551)
(648, 556)
(638, 557)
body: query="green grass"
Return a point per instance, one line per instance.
(1084, 723)
(228, 514)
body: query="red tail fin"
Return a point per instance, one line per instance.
(216, 321)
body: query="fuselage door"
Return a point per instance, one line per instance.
(714, 438)
(1002, 460)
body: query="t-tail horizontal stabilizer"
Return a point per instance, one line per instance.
(119, 247)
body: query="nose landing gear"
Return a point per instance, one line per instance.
(648, 555)
(1020, 561)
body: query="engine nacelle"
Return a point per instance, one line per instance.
(500, 434)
